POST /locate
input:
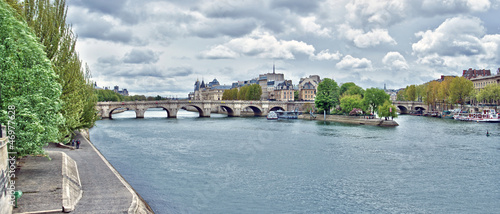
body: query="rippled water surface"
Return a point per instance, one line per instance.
(251, 165)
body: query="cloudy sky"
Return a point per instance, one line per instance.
(156, 47)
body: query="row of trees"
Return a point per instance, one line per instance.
(350, 97)
(489, 94)
(247, 92)
(451, 90)
(42, 76)
(109, 95)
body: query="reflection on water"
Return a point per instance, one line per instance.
(252, 165)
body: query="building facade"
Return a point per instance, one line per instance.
(283, 91)
(483, 81)
(307, 87)
(211, 91)
(268, 82)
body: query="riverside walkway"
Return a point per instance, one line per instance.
(104, 189)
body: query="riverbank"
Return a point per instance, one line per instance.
(100, 188)
(359, 120)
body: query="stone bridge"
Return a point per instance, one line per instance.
(404, 107)
(233, 108)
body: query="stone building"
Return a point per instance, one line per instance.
(283, 91)
(307, 87)
(267, 83)
(123, 92)
(483, 81)
(473, 73)
(211, 91)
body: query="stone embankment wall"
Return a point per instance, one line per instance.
(5, 199)
(360, 120)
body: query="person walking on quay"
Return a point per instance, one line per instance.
(77, 144)
(73, 142)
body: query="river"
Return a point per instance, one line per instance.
(252, 165)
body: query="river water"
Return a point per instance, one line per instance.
(252, 165)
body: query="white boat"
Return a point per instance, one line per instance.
(488, 115)
(272, 115)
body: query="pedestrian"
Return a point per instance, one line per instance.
(77, 144)
(73, 142)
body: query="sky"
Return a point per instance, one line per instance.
(154, 47)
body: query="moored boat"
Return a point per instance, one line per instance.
(488, 115)
(272, 115)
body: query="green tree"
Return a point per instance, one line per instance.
(375, 97)
(460, 90)
(344, 87)
(351, 89)
(296, 95)
(254, 92)
(401, 95)
(432, 93)
(327, 96)
(47, 18)
(349, 102)
(489, 94)
(420, 92)
(411, 93)
(30, 94)
(387, 110)
(231, 94)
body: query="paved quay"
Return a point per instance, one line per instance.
(104, 189)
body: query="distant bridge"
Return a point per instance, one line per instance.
(233, 108)
(405, 107)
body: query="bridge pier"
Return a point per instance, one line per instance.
(172, 113)
(139, 113)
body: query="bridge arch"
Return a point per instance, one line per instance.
(200, 109)
(276, 108)
(230, 111)
(420, 108)
(257, 110)
(169, 112)
(403, 109)
(111, 110)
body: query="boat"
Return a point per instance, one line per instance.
(287, 114)
(272, 115)
(488, 115)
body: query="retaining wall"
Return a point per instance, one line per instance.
(5, 199)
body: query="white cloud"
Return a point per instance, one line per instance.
(219, 52)
(349, 62)
(455, 36)
(455, 6)
(395, 61)
(309, 25)
(364, 40)
(457, 41)
(380, 13)
(263, 45)
(326, 55)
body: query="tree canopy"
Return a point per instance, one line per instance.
(247, 92)
(47, 19)
(375, 97)
(350, 102)
(327, 95)
(460, 89)
(29, 90)
(387, 110)
(489, 93)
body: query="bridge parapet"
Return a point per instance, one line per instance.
(204, 107)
